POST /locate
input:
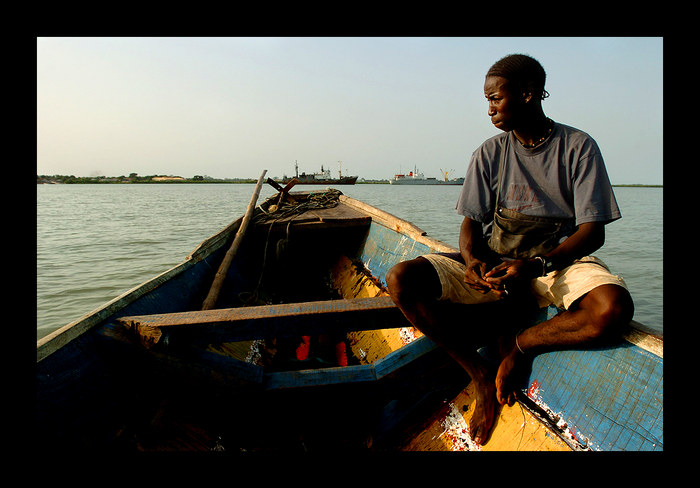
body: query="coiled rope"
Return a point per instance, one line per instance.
(315, 201)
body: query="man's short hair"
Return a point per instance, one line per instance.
(523, 70)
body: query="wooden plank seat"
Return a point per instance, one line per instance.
(416, 359)
(266, 321)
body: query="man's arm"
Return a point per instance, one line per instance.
(587, 239)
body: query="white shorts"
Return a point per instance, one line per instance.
(560, 288)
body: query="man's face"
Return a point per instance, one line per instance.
(505, 106)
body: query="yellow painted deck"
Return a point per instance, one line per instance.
(368, 346)
(515, 429)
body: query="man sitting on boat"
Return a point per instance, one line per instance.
(535, 202)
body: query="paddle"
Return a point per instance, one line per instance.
(213, 295)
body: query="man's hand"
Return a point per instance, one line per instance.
(470, 246)
(512, 270)
(474, 275)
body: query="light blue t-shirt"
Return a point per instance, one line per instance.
(565, 177)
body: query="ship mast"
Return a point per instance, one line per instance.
(446, 174)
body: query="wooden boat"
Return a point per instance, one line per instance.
(151, 370)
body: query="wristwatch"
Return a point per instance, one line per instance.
(547, 264)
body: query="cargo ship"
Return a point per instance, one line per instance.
(322, 178)
(417, 178)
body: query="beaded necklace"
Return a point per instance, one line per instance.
(550, 122)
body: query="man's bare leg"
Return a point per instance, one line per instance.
(414, 286)
(602, 311)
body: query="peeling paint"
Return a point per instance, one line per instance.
(407, 335)
(254, 356)
(534, 390)
(556, 419)
(456, 430)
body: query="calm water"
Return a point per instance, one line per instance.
(95, 242)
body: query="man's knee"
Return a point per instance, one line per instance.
(412, 279)
(394, 277)
(610, 308)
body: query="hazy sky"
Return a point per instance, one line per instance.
(231, 107)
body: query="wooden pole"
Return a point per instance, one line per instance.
(213, 295)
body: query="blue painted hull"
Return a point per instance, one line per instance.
(609, 398)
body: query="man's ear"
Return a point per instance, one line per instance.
(528, 92)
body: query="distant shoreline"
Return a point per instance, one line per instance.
(170, 180)
(155, 179)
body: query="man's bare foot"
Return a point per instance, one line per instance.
(505, 389)
(484, 412)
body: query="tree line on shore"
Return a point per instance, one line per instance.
(135, 178)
